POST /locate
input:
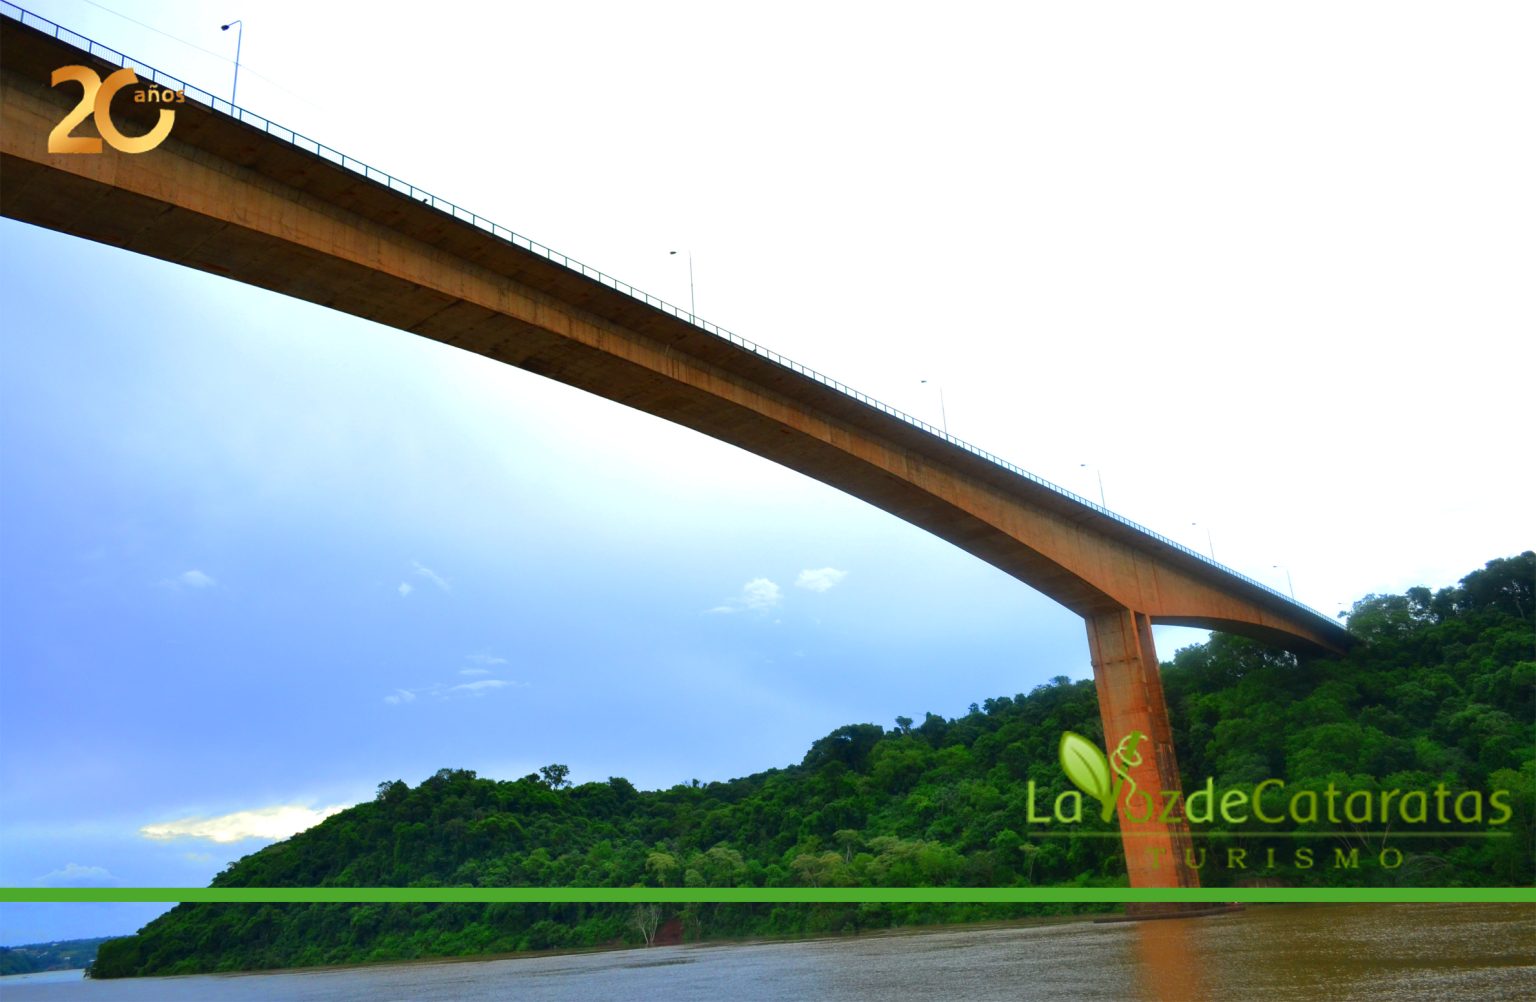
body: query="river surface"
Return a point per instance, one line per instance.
(1385, 953)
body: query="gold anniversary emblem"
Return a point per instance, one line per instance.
(97, 100)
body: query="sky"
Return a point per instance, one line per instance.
(1264, 272)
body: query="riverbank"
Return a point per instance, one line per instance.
(716, 941)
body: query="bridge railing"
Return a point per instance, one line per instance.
(319, 149)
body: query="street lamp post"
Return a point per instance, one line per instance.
(943, 415)
(1100, 473)
(239, 38)
(693, 309)
(1208, 540)
(1288, 585)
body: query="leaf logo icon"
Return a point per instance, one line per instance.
(1087, 767)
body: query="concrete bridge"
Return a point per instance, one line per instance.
(232, 194)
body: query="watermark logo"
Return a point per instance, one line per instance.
(1269, 809)
(1090, 771)
(96, 99)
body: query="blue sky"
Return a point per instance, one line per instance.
(256, 556)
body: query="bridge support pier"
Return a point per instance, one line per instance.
(1130, 691)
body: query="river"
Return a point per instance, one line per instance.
(1384, 953)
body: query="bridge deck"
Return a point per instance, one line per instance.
(235, 195)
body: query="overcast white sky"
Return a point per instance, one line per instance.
(1265, 268)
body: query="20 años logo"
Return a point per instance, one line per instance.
(97, 100)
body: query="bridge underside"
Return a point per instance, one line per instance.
(227, 198)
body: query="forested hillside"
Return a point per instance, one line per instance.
(63, 955)
(1442, 691)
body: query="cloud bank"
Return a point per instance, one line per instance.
(265, 823)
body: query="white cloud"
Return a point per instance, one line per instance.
(190, 579)
(404, 589)
(479, 688)
(444, 691)
(75, 875)
(430, 575)
(819, 580)
(759, 594)
(486, 659)
(265, 823)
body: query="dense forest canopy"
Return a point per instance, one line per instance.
(1441, 693)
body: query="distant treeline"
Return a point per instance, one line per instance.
(1441, 692)
(65, 955)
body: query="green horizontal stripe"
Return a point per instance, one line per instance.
(795, 895)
